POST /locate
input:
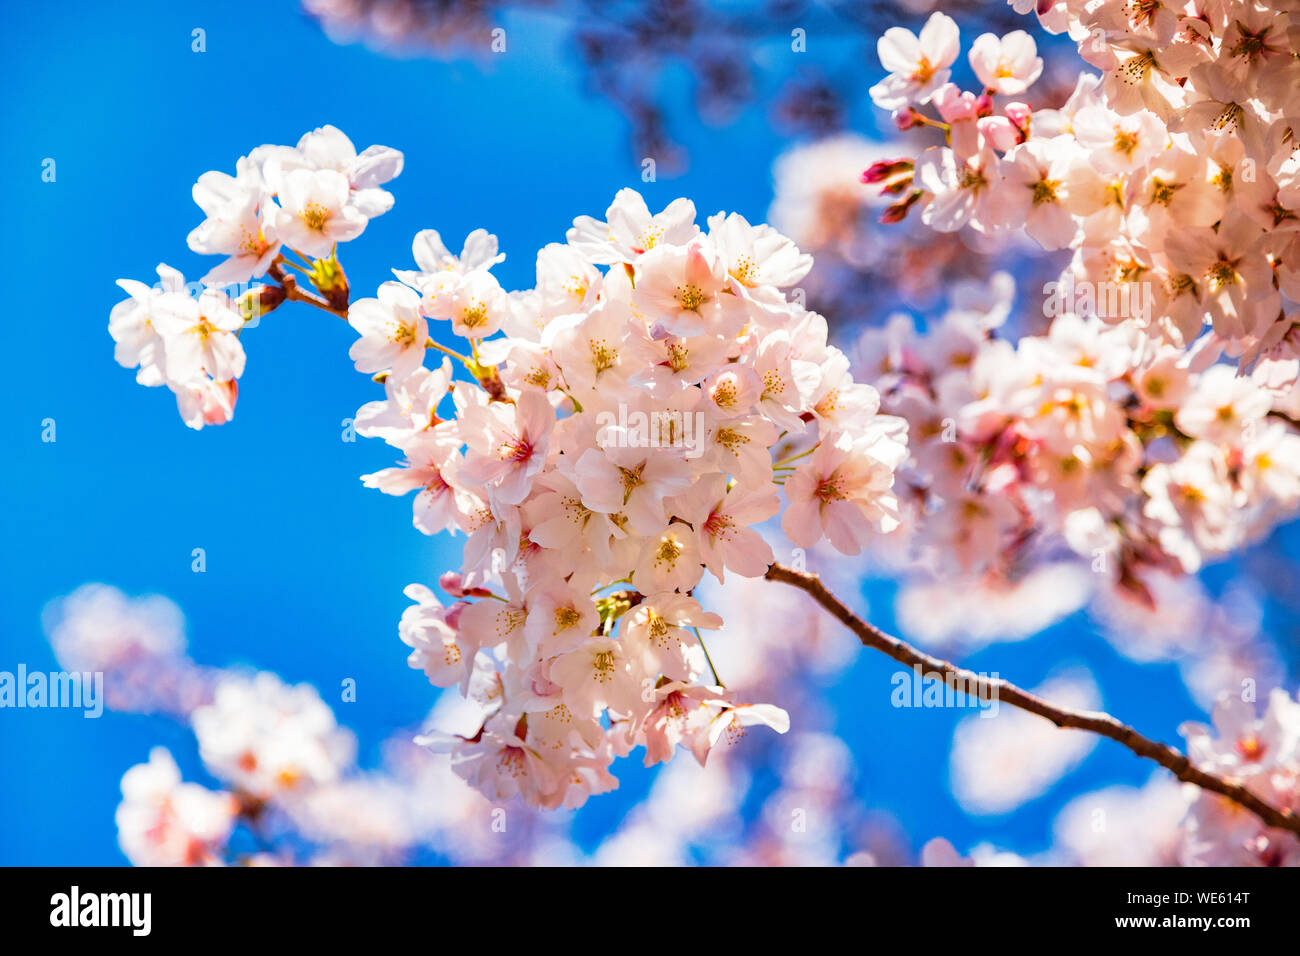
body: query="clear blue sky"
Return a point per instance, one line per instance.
(304, 566)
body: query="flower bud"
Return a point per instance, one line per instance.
(329, 279)
(885, 169)
(453, 582)
(899, 210)
(259, 300)
(905, 118)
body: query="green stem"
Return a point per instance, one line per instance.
(716, 679)
(465, 359)
(804, 454)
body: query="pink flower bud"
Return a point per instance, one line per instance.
(1018, 113)
(453, 582)
(884, 169)
(905, 118)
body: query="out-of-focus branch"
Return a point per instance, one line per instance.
(1007, 693)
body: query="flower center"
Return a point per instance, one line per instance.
(1045, 191)
(924, 71)
(473, 315)
(669, 550)
(1222, 273)
(314, 216)
(603, 357)
(745, 272)
(602, 666)
(1228, 119)
(829, 490)
(565, 618)
(1125, 142)
(515, 449)
(690, 297)
(1138, 68)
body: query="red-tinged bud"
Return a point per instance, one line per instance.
(984, 104)
(894, 214)
(899, 210)
(259, 300)
(906, 118)
(453, 582)
(1018, 113)
(885, 169)
(897, 187)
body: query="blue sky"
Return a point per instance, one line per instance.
(304, 566)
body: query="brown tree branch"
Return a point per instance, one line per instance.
(1004, 692)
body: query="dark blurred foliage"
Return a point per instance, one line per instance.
(728, 48)
(738, 55)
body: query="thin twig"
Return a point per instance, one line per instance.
(1004, 692)
(292, 291)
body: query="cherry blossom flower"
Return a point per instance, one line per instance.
(1041, 170)
(1009, 65)
(507, 444)
(964, 190)
(328, 148)
(843, 491)
(164, 822)
(917, 65)
(131, 323)
(266, 737)
(1260, 752)
(724, 518)
(430, 630)
(240, 225)
(199, 338)
(687, 291)
(630, 230)
(315, 213)
(434, 258)
(393, 332)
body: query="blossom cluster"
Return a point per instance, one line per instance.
(305, 199)
(627, 424)
(1091, 438)
(278, 754)
(1171, 178)
(139, 644)
(609, 441)
(276, 749)
(620, 435)
(1261, 751)
(288, 793)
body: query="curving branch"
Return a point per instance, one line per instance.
(1005, 692)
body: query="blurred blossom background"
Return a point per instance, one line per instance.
(304, 568)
